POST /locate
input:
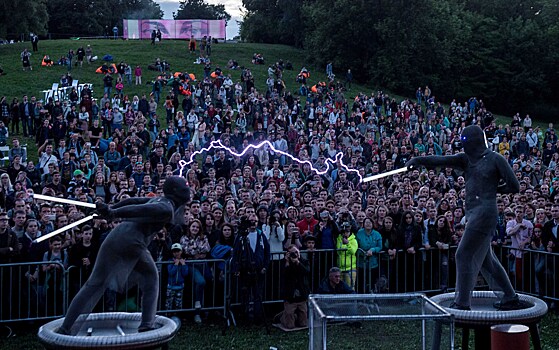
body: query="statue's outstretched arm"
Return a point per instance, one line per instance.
(457, 161)
(138, 210)
(131, 201)
(149, 213)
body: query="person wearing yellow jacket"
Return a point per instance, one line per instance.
(346, 244)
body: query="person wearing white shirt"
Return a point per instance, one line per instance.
(532, 138)
(46, 157)
(281, 145)
(519, 231)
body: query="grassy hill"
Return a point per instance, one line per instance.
(17, 82)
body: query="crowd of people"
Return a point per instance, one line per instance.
(121, 147)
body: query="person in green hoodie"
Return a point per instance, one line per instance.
(346, 243)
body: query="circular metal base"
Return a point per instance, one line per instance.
(110, 330)
(484, 313)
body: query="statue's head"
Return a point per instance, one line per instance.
(175, 189)
(473, 140)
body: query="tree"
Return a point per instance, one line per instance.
(95, 17)
(23, 17)
(276, 22)
(198, 9)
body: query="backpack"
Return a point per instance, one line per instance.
(221, 252)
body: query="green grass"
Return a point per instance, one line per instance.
(373, 335)
(17, 82)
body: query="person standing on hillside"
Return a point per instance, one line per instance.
(192, 45)
(35, 42)
(209, 46)
(348, 79)
(26, 61)
(88, 54)
(329, 69)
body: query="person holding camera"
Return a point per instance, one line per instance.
(251, 257)
(274, 233)
(295, 289)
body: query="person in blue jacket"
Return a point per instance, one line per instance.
(369, 241)
(178, 270)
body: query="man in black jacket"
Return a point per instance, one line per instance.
(294, 289)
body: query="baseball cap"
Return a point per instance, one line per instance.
(78, 172)
(324, 214)
(176, 246)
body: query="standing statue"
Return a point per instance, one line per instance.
(487, 173)
(124, 257)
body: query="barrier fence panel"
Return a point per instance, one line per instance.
(32, 291)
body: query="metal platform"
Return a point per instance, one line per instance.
(110, 330)
(484, 315)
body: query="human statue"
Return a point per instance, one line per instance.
(486, 173)
(124, 258)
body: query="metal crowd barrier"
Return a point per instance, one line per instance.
(47, 295)
(29, 293)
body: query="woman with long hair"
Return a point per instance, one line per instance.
(148, 169)
(380, 214)
(174, 160)
(196, 246)
(370, 244)
(440, 239)
(210, 229)
(230, 212)
(409, 240)
(113, 184)
(192, 180)
(6, 184)
(100, 188)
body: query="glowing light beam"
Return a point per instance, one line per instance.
(385, 174)
(219, 145)
(64, 200)
(65, 228)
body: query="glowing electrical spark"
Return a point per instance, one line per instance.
(219, 145)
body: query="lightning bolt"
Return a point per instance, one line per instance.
(219, 145)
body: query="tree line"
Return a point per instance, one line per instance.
(505, 52)
(70, 18)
